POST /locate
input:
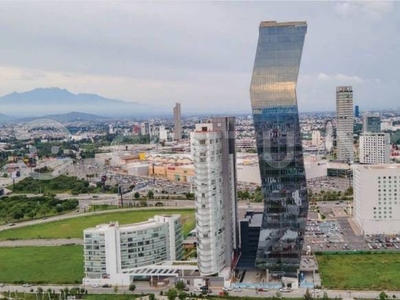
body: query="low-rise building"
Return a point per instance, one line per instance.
(377, 198)
(113, 252)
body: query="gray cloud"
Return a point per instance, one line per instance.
(198, 53)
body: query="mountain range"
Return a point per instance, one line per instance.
(45, 101)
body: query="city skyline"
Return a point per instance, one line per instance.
(176, 60)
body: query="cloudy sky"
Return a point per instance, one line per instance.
(198, 53)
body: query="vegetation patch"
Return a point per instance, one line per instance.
(40, 265)
(60, 184)
(20, 207)
(73, 227)
(375, 271)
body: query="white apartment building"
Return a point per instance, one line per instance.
(214, 158)
(162, 133)
(316, 138)
(374, 148)
(377, 198)
(113, 252)
(345, 123)
(210, 223)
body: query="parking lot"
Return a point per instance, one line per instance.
(338, 232)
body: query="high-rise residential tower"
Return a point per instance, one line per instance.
(276, 122)
(345, 123)
(215, 181)
(177, 122)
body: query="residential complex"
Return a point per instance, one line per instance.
(376, 198)
(374, 148)
(113, 251)
(279, 147)
(215, 181)
(345, 123)
(177, 122)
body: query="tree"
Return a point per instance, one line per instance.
(349, 191)
(258, 196)
(325, 296)
(136, 195)
(172, 293)
(182, 296)
(18, 215)
(180, 285)
(116, 289)
(307, 295)
(150, 194)
(383, 296)
(132, 287)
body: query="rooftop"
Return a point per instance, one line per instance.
(281, 24)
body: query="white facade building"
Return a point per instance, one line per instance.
(163, 133)
(215, 182)
(377, 198)
(113, 252)
(316, 138)
(345, 123)
(375, 148)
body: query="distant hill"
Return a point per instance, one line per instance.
(42, 101)
(74, 116)
(5, 119)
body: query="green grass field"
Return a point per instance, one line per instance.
(73, 228)
(62, 264)
(375, 271)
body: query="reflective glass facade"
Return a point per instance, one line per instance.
(276, 122)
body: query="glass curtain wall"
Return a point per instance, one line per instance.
(276, 122)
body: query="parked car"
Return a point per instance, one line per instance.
(285, 290)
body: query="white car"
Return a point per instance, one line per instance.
(285, 290)
(227, 289)
(27, 285)
(95, 285)
(237, 289)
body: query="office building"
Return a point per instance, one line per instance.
(112, 252)
(345, 123)
(377, 198)
(357, 111)
(177, 122)
(371, 123)
(215, 182)
(374, 148)
(279, 146)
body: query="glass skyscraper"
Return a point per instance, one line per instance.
(276, 122)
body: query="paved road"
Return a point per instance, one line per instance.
(41, 242)
(144, 288)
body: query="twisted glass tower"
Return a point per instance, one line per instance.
(276, 122)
